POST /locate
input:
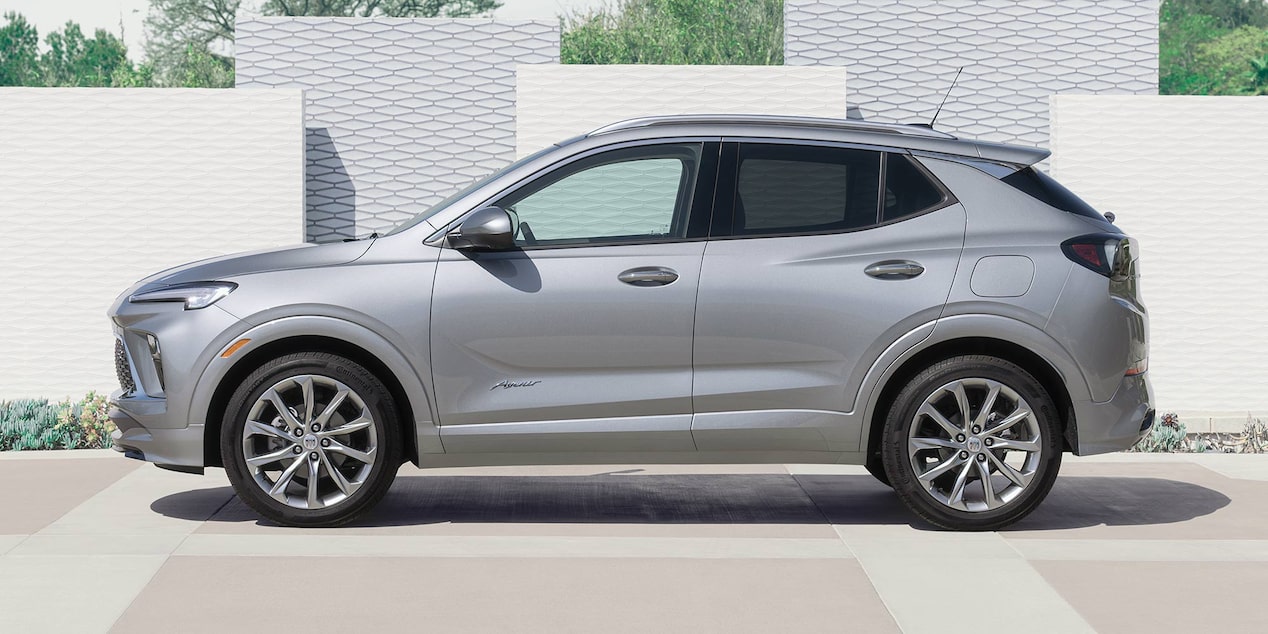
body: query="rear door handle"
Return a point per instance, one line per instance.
(648, 276)
(895, 269)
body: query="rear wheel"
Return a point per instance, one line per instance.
(311, 439)
(972, 443)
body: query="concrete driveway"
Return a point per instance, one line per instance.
(93, 542)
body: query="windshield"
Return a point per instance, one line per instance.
(442, 205)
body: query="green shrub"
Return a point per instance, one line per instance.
(30, 424)
(1167, 435)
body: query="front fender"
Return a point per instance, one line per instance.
(416, 390)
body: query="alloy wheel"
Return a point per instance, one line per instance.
(975, 445)
(310, 441)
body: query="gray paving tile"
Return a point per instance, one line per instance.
(931, 582)
(520, 595)
(1148, 501)
(37, 492)
(69, 594)
(719, 505)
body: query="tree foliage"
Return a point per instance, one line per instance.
(19, 52)
(69, 58)
(381, 8)
(1211, 47)
(676, 32)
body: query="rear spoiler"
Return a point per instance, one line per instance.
(996, 159)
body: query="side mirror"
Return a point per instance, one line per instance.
(487, 229)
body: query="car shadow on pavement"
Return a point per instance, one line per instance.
(1075, 502)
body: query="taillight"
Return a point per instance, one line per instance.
(1104, 253)
(1139, 367)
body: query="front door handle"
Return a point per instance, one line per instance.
(895, 269)
(648, 276)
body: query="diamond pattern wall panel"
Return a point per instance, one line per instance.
(556, 102)
(101, 187)
(1188, 177)
(903, 54)
(399, 112)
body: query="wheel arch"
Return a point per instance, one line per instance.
(1050, 365)
(273, 340)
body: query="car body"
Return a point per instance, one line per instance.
(697, 289)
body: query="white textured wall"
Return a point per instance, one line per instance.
(401, 112)
(100, 187)
(1188, 177)
(558, 102)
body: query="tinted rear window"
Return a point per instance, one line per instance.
(1047, 190)
(792, 189)
(907, 190)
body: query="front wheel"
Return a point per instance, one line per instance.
(311, 439)
(972, 443)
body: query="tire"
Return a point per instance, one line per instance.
(354, 448)
(877, 469)
(1021, 431)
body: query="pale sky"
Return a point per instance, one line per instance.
(50, 15)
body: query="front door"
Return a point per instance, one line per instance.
(579, 339)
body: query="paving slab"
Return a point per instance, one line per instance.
(513, 595)
(37, 492)
(1130, 597)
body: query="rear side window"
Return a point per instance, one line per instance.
(794, 189)
(1047, 190)
(908, 190)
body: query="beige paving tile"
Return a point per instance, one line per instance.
(69, 594)
(1142, 549)
(37, 492)
(60, 454)
(42, 544)
(1133, 597)
(931, 582)
(1148, 501)
(692, 505)
(318, 544)
(511, 595)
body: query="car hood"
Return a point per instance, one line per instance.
(287, 258)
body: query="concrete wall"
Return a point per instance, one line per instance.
(100, 187)
(555, 102)
(1188, 177)
(400, 112)
(903, 54)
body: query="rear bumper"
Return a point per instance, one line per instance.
(176, 449)
(1118, 423)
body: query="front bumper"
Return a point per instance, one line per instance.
(177, 449)
(1118, 423)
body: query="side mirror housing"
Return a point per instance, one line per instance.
(487, 229)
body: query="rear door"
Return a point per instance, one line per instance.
(821, 256)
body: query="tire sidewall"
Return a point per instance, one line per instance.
(903, 412)
(376, 398)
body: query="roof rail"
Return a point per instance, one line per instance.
(774, 120)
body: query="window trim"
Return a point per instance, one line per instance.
(700, 199)
(728, 183)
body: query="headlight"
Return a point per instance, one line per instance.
(194, 295)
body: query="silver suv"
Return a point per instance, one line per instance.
(688, 289)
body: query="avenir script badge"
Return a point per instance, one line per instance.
(506, 385)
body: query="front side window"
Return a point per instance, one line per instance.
(630, 195)
(798, 189)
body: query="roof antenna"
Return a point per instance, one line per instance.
(944, 101)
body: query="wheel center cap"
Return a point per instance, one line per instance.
(310, 442)
(974, 444)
